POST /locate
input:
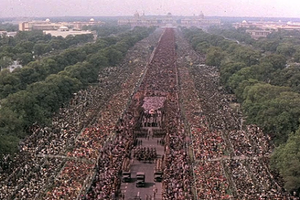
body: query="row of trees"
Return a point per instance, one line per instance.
(38, 70)
(231, 33)
(283, 42)
(62, 75)
(8, 27)
(28, 45)
(267, 88)
(107, 29)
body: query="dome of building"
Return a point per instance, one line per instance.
(136, 15)
(244, 22)
(47, 20)
(201, 15)
(92, 20)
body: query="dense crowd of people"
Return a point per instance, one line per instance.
(162, 76)
(106, 183)
(50, 154)
(101, 135)
(208, 150)
(231, 158)
(242, 142)
(207, 143)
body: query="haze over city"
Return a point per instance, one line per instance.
(234, 8)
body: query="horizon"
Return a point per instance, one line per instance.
(127, 16)
(119, 8)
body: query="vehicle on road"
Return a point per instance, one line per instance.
(158, 176)
(126, 177)
(140, 176)
(158, 171)
(126, 174)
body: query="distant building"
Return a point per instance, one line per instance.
(48, 25)
(39, 25)
(64, 31)
(258, 29)
(80, 25)
(199, 21)
(256, 34)
(169, 20)
(8, 34)
(267, 25)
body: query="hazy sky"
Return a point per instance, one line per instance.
(246, 8)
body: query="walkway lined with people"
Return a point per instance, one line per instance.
(208, 152)
(230, 159)
(30, 176)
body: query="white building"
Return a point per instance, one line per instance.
(64, 31)
(14, 66)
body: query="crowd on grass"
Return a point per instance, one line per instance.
(231, 158)
(60, 159)
(209, 152)
(162, 76)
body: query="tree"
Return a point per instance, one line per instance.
(25, 58)
(238, 77)
(98, 60)
(288, 77)
(286, 49)
(262, 72)
(5, 61)
(264, 92)
(202, 47)
(70, 40)
(297, 56)
(72, 56)
(66, 86)
(214, 56)
(58, 43)
(84, 72)
(46, 96)
(8, 144)
(246, 55)
(243, 87)
(266, 44)
(28, 74)
(10, 122)
(277, 61)
(228, 69)
(25, 106)
(286, 159)
(195, 41)
(39, 49)
(8, 83)
(122, 46)
(24, 47)
(50, 66)
(273, 108)
(113, 55)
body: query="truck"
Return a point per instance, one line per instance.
(126, 174)
(140, 176)
(158, 171)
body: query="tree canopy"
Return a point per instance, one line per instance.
(32, 95)
(263, 76)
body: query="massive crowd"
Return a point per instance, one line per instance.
(80, 155)
(230, 158)
(49, 156)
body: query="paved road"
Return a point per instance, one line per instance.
(129, 190)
